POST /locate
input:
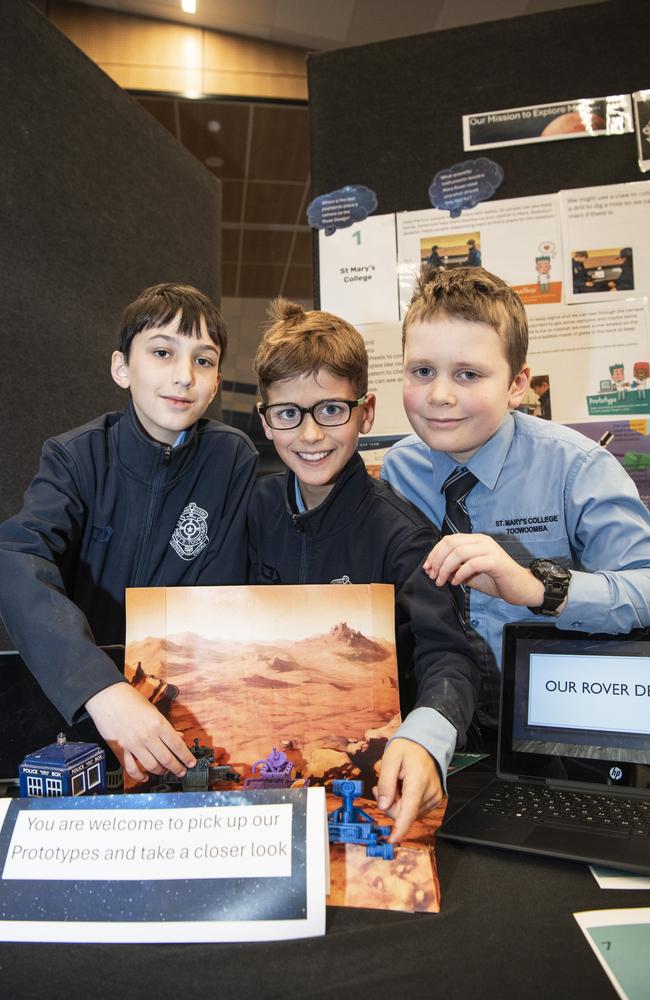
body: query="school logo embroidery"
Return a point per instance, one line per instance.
(191, 533)
(342, 579)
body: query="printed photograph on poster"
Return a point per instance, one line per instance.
(629, 442)
(642, 121)
(384, 345)
(576, 119)
(517, 238)
(448, 252)
(606, 234)
(609, 269)
(590, 361)
(357, 271)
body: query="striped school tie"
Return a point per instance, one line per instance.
(456, 488)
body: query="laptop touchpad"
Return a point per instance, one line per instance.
(563, 841)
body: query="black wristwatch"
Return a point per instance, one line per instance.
(556, 580)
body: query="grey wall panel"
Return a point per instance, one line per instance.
(97, 201)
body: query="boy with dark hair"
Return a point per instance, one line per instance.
(327, 521)
(473, 254)
(549, 522)
(154, 496)
(582, 281)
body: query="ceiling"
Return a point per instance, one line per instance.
(318, 24)
(260, 149)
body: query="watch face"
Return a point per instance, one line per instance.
(545, 570)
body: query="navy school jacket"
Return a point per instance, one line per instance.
(109, 508)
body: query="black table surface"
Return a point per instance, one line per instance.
(505, 930)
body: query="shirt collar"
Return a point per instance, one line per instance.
(488, 461)
(300, 503)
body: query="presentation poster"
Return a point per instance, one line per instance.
(629, 442)
(594, 359)
(606, 234)
(517, 238)
(384, 344)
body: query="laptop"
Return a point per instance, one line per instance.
(28, 721)
(573, 758)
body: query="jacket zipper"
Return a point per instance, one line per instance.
(302, 566)
(139, 579)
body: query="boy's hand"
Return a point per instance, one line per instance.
(478, 561)
(409, 785)
(139, 736)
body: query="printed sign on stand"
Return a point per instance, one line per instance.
(209, 866)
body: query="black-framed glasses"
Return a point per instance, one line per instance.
(326, 413)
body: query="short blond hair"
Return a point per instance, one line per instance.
(474, 294)
(302, 342)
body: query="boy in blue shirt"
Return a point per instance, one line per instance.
(555, 525)
(154, 496)
(325, 520)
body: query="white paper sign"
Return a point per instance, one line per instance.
(210, 866)
(357, 268)
(117, 844)
(620, 940)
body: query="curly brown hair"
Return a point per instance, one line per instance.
(301, 342)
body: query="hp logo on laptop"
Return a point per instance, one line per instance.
(615, 774)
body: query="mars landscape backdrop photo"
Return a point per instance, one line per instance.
(311, 670)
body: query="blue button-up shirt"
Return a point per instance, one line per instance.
(543, 491)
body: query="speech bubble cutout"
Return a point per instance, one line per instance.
(465, 185)
(342, 208)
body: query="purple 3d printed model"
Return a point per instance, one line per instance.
(274, 771)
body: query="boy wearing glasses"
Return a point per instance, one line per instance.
(325, 520)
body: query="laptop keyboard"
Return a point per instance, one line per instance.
(627, 817)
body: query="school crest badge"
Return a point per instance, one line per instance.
(191, 533)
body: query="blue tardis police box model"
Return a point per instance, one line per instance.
(63, 768)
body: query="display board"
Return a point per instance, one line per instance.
(390, 114)
(424, 107)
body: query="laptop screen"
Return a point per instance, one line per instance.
(575, 707)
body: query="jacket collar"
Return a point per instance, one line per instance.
(339, 507)
(143, 456)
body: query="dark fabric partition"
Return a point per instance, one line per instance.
(98, 201)
(389, 115)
